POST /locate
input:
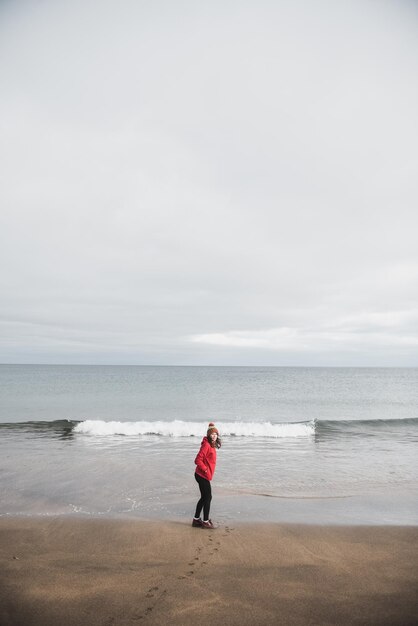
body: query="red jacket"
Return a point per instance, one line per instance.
(206, 460)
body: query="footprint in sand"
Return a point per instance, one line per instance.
(150, 594)
(148, 610)
(196, 560)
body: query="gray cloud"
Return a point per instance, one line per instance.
(233, 183)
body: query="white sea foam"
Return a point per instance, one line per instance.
(179, 428)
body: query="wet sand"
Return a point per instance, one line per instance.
(68, 572)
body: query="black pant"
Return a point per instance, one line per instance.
(206, 497)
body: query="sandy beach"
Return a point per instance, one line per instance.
(67, 572)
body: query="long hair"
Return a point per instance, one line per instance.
(215, 444)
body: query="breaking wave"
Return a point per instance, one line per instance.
(178, 428)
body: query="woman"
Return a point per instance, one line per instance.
(205, 468)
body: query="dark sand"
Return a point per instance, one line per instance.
(66, 572)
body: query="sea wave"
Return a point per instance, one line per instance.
(178, 428)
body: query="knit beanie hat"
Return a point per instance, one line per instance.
(212, 429)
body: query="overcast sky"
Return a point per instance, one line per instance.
(221, 183)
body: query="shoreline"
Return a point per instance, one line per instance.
(230, 507)
(101, 571)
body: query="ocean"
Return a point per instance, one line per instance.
(306, 445)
